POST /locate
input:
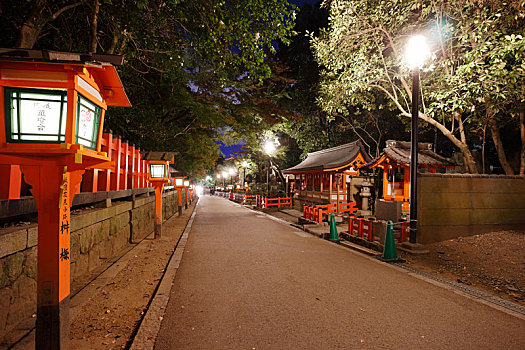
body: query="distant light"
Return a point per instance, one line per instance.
(245, 164)
(224, 174)
(208, 178)
(417, 51)
(269, 147)
(218, 176)
(231, 171)
(199, 190)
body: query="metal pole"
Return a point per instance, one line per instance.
(413, 155)
(268, 178)
(244, 178)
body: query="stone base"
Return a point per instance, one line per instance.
(413, 248)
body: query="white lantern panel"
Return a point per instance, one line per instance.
(157, 171)
(179, 182)
(87, 122)
(186, 183)
(36, 115)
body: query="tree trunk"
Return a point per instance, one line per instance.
(522, 132)
(483, 148)
(32, 26)
(470, 163)
(496, 138)
(37, 20)
(462, 135)
(114, 40)
(94, 25)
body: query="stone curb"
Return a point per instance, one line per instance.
(150, 325)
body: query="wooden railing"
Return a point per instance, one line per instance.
(261, 201)
(360, 227)
(315, 212)
(130, 171)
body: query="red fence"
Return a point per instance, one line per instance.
(260, 201)
(315, 212)
(130, 171)
(360, 227)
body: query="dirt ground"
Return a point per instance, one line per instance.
(110, 318)
(492, 262)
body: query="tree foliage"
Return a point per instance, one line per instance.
(181, 55)
(475, 77)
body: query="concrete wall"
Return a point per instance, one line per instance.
(454, 205)
(96, 236)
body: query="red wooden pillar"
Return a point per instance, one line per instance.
(145, 182)
(131, 166)
(90, 181)
(179, 194)
(123, 165)
(136, 168)
(104, 176)
(115, 157)
(159, 186)
(10, 181)
(53, 188)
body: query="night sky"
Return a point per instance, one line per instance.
(227, 150)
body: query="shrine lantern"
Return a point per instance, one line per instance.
(158, 176)
(52, 108)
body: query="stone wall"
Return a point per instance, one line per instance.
(454, 205)
(96, 236)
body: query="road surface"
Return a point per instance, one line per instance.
(249, 282)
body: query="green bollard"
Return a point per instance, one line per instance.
(389, 253)
(334, 237)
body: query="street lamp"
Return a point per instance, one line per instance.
(244, 165)
(269, 149)
(416, 53)
(224, 174)
(186, 189)
(231, 171)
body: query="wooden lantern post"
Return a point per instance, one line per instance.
(158, 175)
(179, 185)
(186, 189)
(52, 107)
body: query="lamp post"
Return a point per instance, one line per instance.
(158, 165)
(269, 149)
(231, 171)
(186, 189)
(179, 185)
(416, 53)
(244, 164)
(224, 174)
(51, 123)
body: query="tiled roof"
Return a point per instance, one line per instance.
(400, 152)
(330, 158)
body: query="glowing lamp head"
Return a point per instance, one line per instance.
(40, 116)
(231, 171)
(218, 176)
(157, 171)
(269, 147)
(417, 51)
(245, 164)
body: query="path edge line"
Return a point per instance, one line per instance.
(150, 326)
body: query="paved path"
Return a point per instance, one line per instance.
(248, 282)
